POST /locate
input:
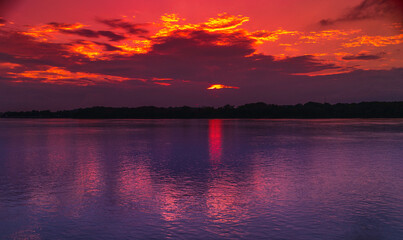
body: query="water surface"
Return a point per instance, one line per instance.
(201, 179)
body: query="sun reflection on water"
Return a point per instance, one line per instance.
(215, 140)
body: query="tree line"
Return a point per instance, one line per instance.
(252, 110)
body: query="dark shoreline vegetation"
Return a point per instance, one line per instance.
(252, 110)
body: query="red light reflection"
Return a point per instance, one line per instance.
(215, 140)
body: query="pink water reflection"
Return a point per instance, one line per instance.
(215, 140)
(157, 181)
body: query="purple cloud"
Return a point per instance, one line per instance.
(362, 56)
(370, 9)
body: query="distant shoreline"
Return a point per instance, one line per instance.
(260, 110)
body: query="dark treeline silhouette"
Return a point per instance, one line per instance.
(252, 110)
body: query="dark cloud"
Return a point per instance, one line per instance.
(111, 35)
(58, 25)
(95, 34)
(195, 56)
(63, 28)
(104, 46)
(82, 32)
(303, 64)
(370, 9)
(204, 44)
(132, 28)
(362, 56)
(25, 62)
(2, 20)
(326, 22)
(108, 47)
(27, 48)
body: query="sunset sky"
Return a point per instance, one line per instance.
(73, 53)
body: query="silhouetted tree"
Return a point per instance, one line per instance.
(251, 110)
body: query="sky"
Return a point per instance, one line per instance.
(68, 54)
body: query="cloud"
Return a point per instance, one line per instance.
(108, 47)
(334, 34)
(95, 34)
(9, 65)
(206, 58)
(111, 35)
(203, 43)
(196, 55)
(362, 56)
(22, 48)
(370, 9)
(132, 28)
(2, 21)
(214, 52)
(61, 26)
(224, 21)
(56, 75)
(376, 41)
(181, 60)
(44, 32)
(220, 86)
(83, 32)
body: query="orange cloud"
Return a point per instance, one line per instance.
(327, 35)
(57, 75)
(224, 21)
(224, 32)
(9, 65)
(96, 51)
(2, 22)
(377, 41)
(271, 36)
(162, 79)
(225, 25)
(220, 86)
(88, 49)
(44, 32)
(133, 46)
(226, 28)
(326, 72)
(163, 83)
(169, 18)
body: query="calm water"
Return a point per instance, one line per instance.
(201, 179)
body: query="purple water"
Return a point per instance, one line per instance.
(201, 179)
